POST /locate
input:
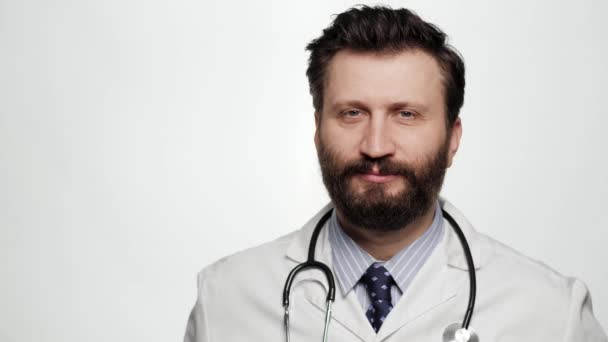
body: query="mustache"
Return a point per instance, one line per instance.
(384, 166)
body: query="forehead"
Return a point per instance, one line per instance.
(377, 78)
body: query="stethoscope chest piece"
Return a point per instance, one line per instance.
(455, 333)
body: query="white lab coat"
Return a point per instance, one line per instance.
(518, 299)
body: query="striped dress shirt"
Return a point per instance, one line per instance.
(350, 261)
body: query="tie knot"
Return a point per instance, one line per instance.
(377, 280)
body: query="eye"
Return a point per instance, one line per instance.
(406, 114)
(352, 113)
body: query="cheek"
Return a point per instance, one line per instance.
(344, 142)
(420, 143)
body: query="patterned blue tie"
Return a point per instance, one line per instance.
(378, 281)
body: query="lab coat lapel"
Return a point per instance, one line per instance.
(432, 287)
(346, 310)
(441, 279)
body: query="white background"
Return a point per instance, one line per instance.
(142, 140)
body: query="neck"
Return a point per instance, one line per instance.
(383, 245)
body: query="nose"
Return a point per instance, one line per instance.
(377, 141)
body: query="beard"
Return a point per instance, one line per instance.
(374, 208)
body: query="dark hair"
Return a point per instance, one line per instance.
(383, 29)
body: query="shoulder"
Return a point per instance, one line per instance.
(248, 263)
(517, 285)
(502, 268)
(506, 259)
(262, 265)
(521, 277)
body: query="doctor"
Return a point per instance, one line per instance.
(387, 91)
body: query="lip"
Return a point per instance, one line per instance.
(377, 178)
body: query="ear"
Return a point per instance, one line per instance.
(454, 140)
(317, 124)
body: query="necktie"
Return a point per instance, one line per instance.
(377, 281)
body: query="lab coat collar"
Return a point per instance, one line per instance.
(298, 249)
(453, 252)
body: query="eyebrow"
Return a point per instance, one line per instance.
(392, 106)
(416, 106)
(350, 103)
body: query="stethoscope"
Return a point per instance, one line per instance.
(456, 332)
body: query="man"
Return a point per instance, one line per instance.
(387, 91)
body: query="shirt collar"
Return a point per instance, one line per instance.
(350, 261)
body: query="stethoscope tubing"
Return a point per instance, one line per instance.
(471, 268)
(311, 263)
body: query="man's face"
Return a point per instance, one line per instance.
(382, 139)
